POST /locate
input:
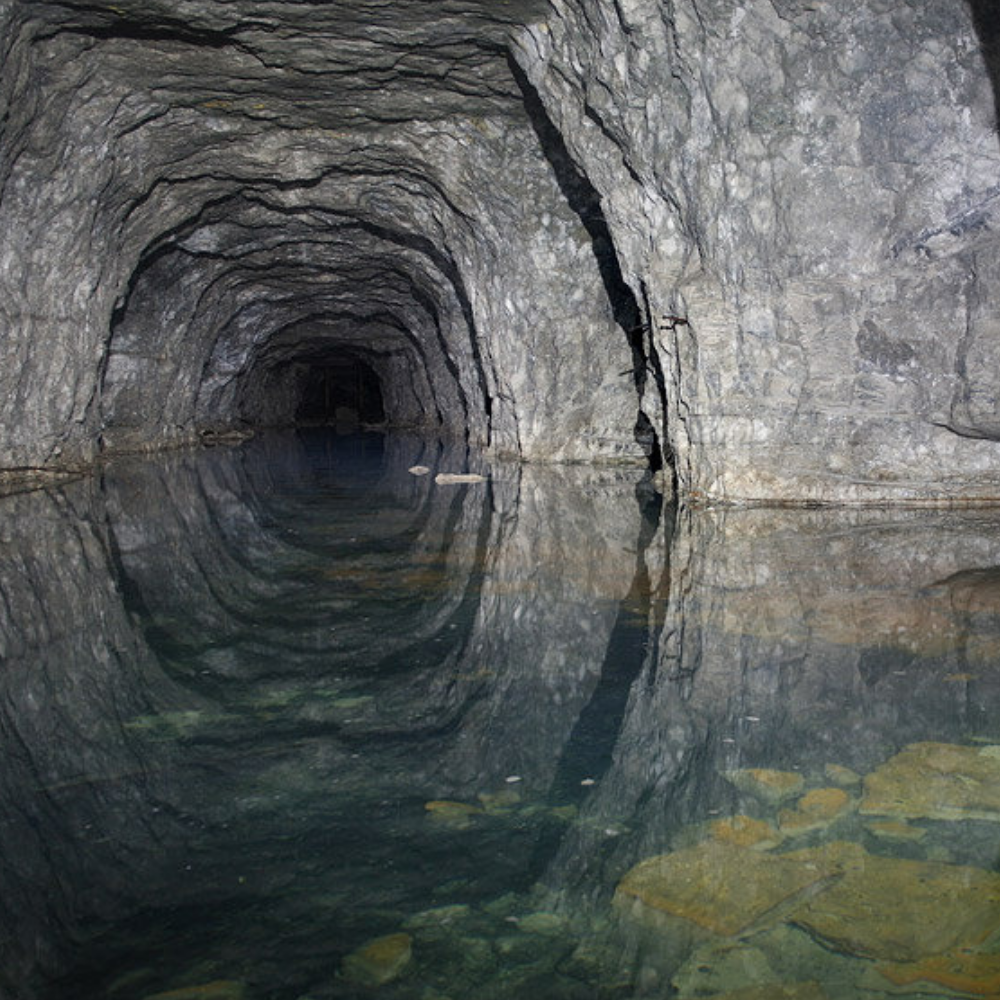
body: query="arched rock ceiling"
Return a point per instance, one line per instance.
(232, 191)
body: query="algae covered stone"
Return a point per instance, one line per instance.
(766, 784)
(936, 781)
(843, 776)
(967, 972)
(457, 815)
(720, 887)
(814, 811)
(379, 961)
(896, 909)
(895, 830)
(745, 831)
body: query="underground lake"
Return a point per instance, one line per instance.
(288, 721)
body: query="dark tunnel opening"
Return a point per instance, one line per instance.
(343, 390)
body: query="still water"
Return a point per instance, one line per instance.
(287, 721)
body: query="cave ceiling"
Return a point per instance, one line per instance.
(307, 64)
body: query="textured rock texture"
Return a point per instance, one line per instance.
(202, 201)
(497, 207)
(815, 188)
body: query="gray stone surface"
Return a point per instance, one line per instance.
(198, 201)
(815, 188)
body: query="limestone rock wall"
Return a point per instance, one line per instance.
(204, 203)
(751, 238)
(814, 188)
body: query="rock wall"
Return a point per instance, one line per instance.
(199, 204)
(813, 189)
(754, 239)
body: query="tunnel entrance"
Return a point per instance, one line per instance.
(343, 390)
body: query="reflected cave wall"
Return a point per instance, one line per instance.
(188, 661)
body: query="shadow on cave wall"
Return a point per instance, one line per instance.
(986, 17)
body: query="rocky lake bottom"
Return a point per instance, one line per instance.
(290, 722)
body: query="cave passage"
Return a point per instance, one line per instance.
(340, 390)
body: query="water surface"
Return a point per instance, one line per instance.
(262, 707)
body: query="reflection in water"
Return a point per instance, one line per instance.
(288, 721)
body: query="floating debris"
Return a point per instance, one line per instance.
(418, 470)
(451, 478)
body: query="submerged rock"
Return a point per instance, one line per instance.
(840, 775)
(745, 831)
(500, 802)
(219, 989)
(379, 961)
(936, 781)
(770, 786)
(815, 811)
(969, 973)
(897, 909)
(720, 887)
(543, 923)
(895, 830)
(775, 991)
(722, 965)
(458, 815)
(438, 916)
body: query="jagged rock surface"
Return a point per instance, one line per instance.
(495, 206)
(815, 188)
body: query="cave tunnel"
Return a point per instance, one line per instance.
(302, 215)
(577, 232)
(340, 390)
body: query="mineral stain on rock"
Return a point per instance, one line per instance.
(898, 909)
(816, 810)
(966, 972)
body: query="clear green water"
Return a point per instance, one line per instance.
(260, 707)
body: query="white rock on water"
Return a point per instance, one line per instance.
(449, 478)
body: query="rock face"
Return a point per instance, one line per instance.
(753, 238)
(812, 189)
